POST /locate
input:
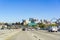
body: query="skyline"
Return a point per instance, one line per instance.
(16, 10)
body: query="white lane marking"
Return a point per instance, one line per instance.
(35, 36)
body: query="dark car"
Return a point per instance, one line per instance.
(23, 29)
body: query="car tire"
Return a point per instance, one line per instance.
(49, 31)
(56, 31)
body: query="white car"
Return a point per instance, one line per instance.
(53, 29)
(32, 29)
(38, 28)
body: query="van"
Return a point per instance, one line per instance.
(53, 29)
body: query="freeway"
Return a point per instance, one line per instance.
(22, 35)
(45, 35)
(36, 35)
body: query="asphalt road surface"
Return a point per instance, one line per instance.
(36, 35)
(22, 35)
(45, 35)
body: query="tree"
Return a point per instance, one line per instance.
(53, 25)
(41, 25)
(17, 23)
(13, 23)
(6, 23)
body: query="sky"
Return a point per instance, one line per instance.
(16, 10)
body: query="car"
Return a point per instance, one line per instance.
(23, 29)
(53, 29)
(32, 29)
(38, 28)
